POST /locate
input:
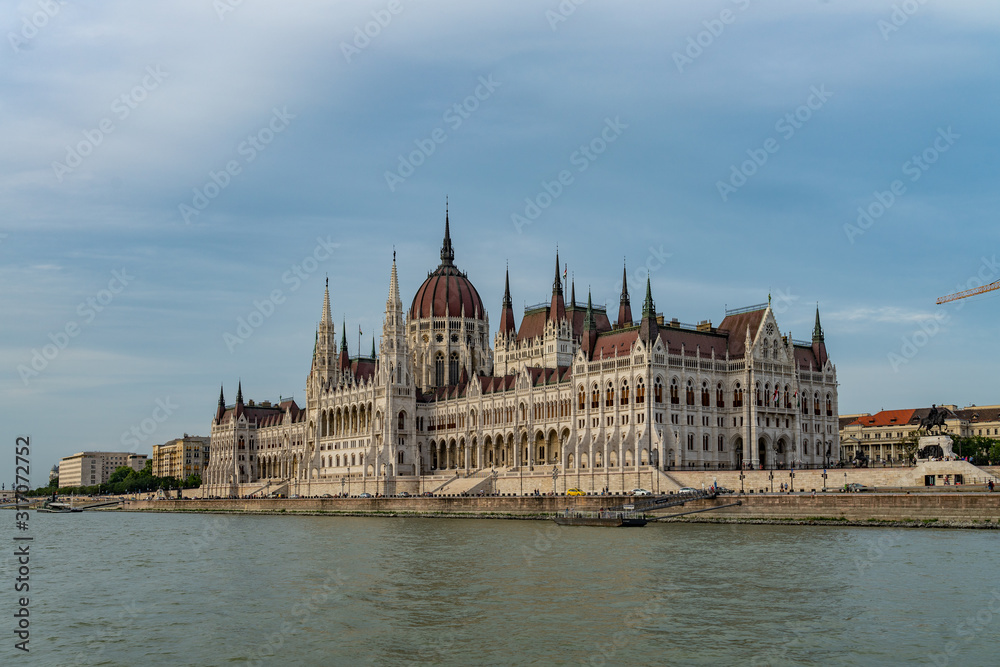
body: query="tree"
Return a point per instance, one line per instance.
(119, 475)
(910, 444)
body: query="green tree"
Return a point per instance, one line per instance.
(910, 444)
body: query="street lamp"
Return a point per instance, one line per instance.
(342, 482)
(791, 482)
(824, 479)
(555, 476)
(741, 479)
(770, 476)
(348, 481)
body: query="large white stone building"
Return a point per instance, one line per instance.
(565, 391)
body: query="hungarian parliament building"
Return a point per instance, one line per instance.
(567, 391)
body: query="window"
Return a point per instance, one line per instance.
(594, 397)
(689, 393)
(658, 390)
(640, 392)
(705, 397)
(623, 399)
(674, 397)
(722, 444)
(704, 443)
(402, 420)
(583, 398)
(690, 441)
(453, 368)
(439, 370)
(737, 396)
(610, 397)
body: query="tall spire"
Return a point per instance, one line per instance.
(572, 293)
(447, 252)
(343, 337)
(222, 398)
(818, 329)
(588, 321)
(326, 317)
(239, 393)
(648, 327)
(507, 308)
(624, 307)
(557, 283)
(589, 338)
(373, 346)
(648, 309)
(557, 311)
(221, 410)
(393, 301)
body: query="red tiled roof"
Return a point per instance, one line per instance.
(446, 292)
(885, 418)
(737, 326)
(615, 343)
(694, 342)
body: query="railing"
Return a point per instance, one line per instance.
(746, 309)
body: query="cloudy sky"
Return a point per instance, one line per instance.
(167, 170)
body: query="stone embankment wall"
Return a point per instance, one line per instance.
(947, 507)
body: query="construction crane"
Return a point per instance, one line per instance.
(969, 292)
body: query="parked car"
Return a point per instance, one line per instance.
(403, 494)
(722, 489)
(575, 492)
(854, 487)
(641, 492)
(365, 495)
(427, 494)
(326, 495)
(688, 489)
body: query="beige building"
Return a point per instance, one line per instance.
(878, 437)
(566, 391)
(92, 468)
(181, 458)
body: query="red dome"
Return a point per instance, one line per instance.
(445, 293)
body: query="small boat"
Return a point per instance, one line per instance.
(605, 519)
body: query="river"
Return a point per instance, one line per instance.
(112, 588)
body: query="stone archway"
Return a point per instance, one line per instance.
(762, 456)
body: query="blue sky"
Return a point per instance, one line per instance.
(115, 118)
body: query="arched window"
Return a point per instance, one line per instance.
(583, 398)
(640, 391)
(737, 396)
(658, 390)
(691, 442)
(759, 402)
(453, 368)
(720, 399)
(787, 402)
(805, 447)
(623, 399)
(704, 443)
(816, 404)
(706, 399)
(402, 420)
(609, 399)
(829, 406)
(674, 395)
(722, 444)
(689, 393)
(595, 397)
(439, 370)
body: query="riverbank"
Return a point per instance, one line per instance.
(909, 509)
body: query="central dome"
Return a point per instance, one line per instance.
(447, 291)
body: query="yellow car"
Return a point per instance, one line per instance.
(575, 492)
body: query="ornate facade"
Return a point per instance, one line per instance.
(566, 390)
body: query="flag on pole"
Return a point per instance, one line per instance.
(565, 269)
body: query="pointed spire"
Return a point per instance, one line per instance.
(447, 252)
(818, 329)
(343, 337)
(572, 294)
(649, 329)
(506, 288)
(393, 301)
(588, 321)
(507, 326)
(557, 283)
(239, 393)
(624, 306)
(373, 347)
(648, 309)
(222, 397)
(326, 317)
